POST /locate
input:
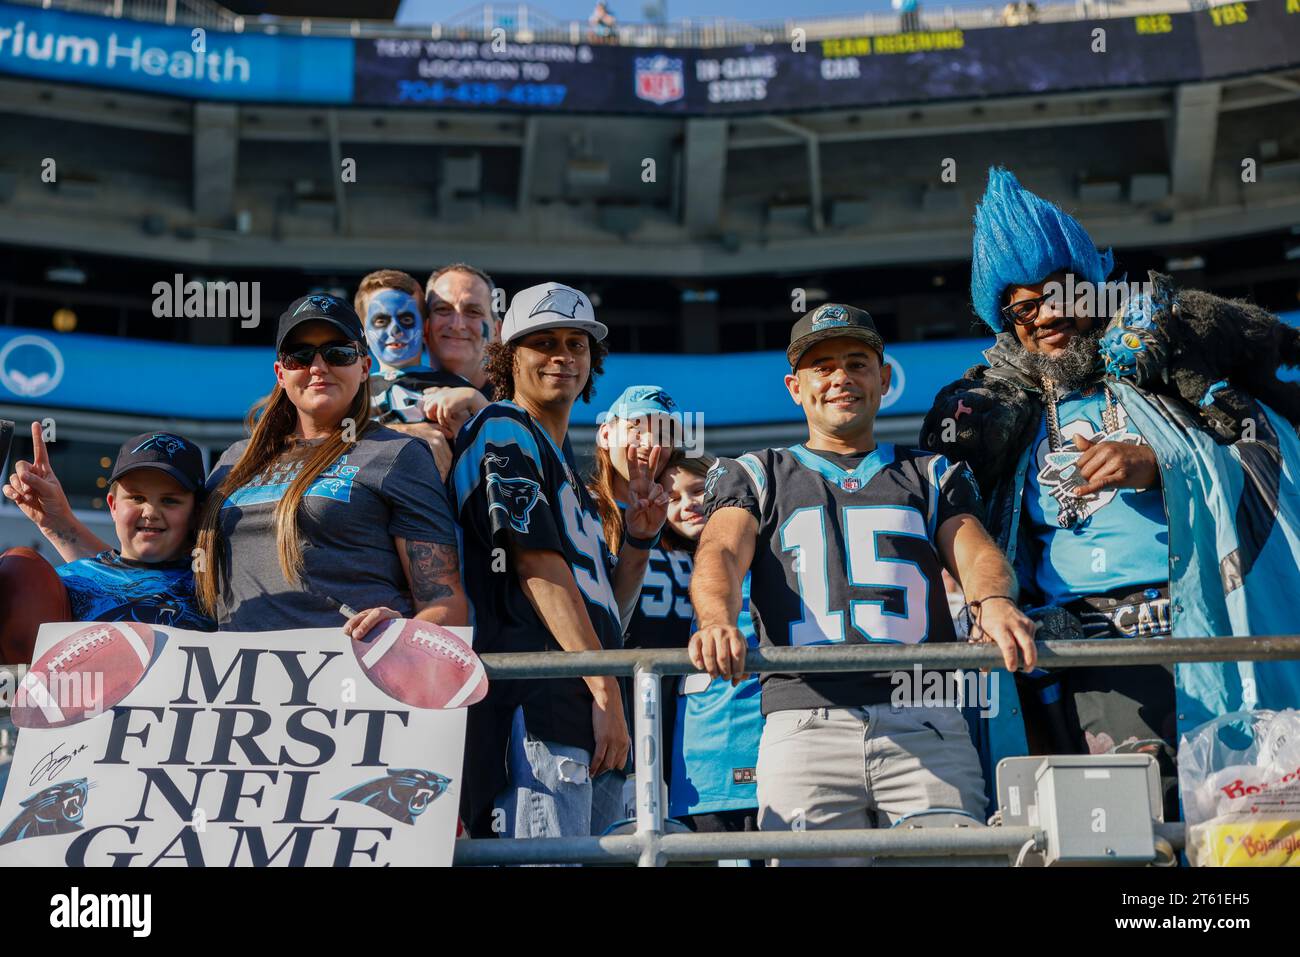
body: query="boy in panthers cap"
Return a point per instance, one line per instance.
(154, 493)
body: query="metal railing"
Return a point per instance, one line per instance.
(650, 846)
(524, 23)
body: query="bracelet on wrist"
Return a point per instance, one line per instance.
(645, 544)
(976, 603)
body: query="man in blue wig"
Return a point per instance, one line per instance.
(1083, 474)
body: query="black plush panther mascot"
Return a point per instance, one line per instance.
(1214, 353)
(57, 809)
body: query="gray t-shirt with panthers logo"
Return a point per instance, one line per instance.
(385, 486)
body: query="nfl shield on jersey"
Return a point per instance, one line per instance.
(845, 553)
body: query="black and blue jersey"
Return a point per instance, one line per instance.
(510, 483)
(663, 614)
(109, 587)
(845, 553)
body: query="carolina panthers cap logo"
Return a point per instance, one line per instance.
(326, 304)
(830, 316)
(565, 302)
(169, 445)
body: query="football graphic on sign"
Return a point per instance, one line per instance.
(422, 664)
(83, 675)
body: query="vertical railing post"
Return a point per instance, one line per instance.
(647, 725)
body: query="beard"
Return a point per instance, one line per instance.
(1078, 366)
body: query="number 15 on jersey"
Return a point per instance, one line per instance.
(898, 609)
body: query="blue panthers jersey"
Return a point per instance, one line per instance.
(109, 587)
(715, 741)
(1122, 536)
(511, 485)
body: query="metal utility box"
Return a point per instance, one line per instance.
(1096, 809)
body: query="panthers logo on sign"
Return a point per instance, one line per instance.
(660, 79)
(403, 795)
(57, 809)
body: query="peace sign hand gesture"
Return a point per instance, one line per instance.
(648, 502)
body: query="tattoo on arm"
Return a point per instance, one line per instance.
(435, 571)
(67, 537)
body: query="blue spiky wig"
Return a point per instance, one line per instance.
(1021, 239)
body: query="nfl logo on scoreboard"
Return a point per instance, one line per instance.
(659, 79)
(851, 484)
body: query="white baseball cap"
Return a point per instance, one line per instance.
(550, 305)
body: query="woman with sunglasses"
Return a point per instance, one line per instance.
(321, 509)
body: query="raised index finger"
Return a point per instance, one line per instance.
(635, 463)
(657, 453)
(40, 456)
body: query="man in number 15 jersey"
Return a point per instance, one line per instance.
(845, 538)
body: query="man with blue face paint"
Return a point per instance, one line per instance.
(394, 328)
(392, 306)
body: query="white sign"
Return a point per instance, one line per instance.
(228, 749)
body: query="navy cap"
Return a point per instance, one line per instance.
(832, 321)
(165, 451)
(320, 307)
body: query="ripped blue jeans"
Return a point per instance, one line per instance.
(549, 789)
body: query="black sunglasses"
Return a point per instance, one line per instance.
(296, 358)
(1025, 311)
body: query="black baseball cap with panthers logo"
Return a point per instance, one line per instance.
(165, 451)
(320, 307)
(832, 321)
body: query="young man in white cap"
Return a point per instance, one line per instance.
(845, 538)
(539, 574)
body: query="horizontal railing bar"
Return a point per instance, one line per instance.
(858, 842)
(488, 852)
(901, 842)
(1051, 654)
(894, 842)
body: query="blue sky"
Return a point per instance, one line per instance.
(430, 11)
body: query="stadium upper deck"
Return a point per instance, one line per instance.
(525, 23)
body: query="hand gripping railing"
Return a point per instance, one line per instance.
(651, 847)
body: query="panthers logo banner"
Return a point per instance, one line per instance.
(149, 746)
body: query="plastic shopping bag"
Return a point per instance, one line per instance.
(1240, 781)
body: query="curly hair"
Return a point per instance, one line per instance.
(500, 365)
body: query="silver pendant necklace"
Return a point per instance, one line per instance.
(1071, 507)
